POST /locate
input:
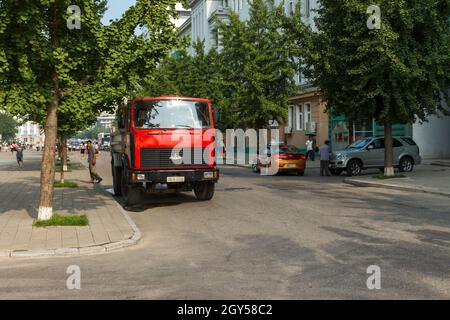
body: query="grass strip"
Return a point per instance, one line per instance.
(58, 220)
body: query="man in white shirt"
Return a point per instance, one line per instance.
(310, 149)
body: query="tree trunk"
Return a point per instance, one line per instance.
(388, 150)
(51, 128)
(63, 146)
(59, 148)
(48, 162)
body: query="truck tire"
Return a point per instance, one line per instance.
(204, 190)
(131, 195)
(117, 179)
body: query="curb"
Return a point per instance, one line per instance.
(441, 164)
(364, 183)
(67, 252)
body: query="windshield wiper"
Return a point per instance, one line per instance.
(184, 126)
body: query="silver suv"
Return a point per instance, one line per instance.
(369, 153)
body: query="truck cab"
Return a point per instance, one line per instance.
(164, 144)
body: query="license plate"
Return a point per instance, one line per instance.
(291, 165)
(175, 179)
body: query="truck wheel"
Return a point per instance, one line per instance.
(131, 194)
(117, 179)
(204, 190)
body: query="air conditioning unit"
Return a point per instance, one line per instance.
(287, 130)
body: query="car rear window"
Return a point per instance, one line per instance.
(396, 143)
(289, 149)
(409, 141)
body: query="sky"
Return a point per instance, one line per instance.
(116, 8)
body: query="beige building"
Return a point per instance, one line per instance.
(306, 118)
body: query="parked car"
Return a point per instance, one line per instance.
(369, 153)
(288, 159)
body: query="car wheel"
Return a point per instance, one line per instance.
(204, 190)
(406, 164)
(354, 168)
(336, 172)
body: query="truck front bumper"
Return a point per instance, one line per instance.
(174, 176)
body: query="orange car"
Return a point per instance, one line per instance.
(288, 159)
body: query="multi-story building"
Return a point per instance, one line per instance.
(30, 133)
(105, 120)
(307, 115)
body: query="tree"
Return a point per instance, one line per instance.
(397, 73)
(190, 76)
(256, 68)
(48, 64)
(8, 127)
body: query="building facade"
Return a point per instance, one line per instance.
(30, 133)
(307, 117)
(105, 120)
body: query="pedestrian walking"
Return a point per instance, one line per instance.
(13, 148)
(92, 160)
(325, 153)
(19, 156)
(310, 149)
(83, 150)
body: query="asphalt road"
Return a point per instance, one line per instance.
(283, 237)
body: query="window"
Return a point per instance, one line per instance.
(307, 110)
(299, 113)
(378, 143)
(291, 7)
(225, 4)
(291, 116)
(171, 114)
(396, 143)
(409, 141)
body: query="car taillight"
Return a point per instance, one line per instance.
(282, 156)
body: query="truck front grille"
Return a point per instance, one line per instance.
(168, 157)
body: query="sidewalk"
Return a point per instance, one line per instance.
(109, 226)
(431, 177)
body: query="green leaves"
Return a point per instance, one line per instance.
(95, 67)
(249, 81)
(396, 73)
(8, 127)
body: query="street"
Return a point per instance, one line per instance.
(261, 237)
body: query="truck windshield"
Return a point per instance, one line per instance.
(171, 114)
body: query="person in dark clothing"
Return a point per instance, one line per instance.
(325, 153)
(19, 156)
(92, 160)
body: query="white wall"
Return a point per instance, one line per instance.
(433, 137)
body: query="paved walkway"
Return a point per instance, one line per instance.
(109, 227)
(431, 177)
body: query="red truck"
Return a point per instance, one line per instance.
(164, 144)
